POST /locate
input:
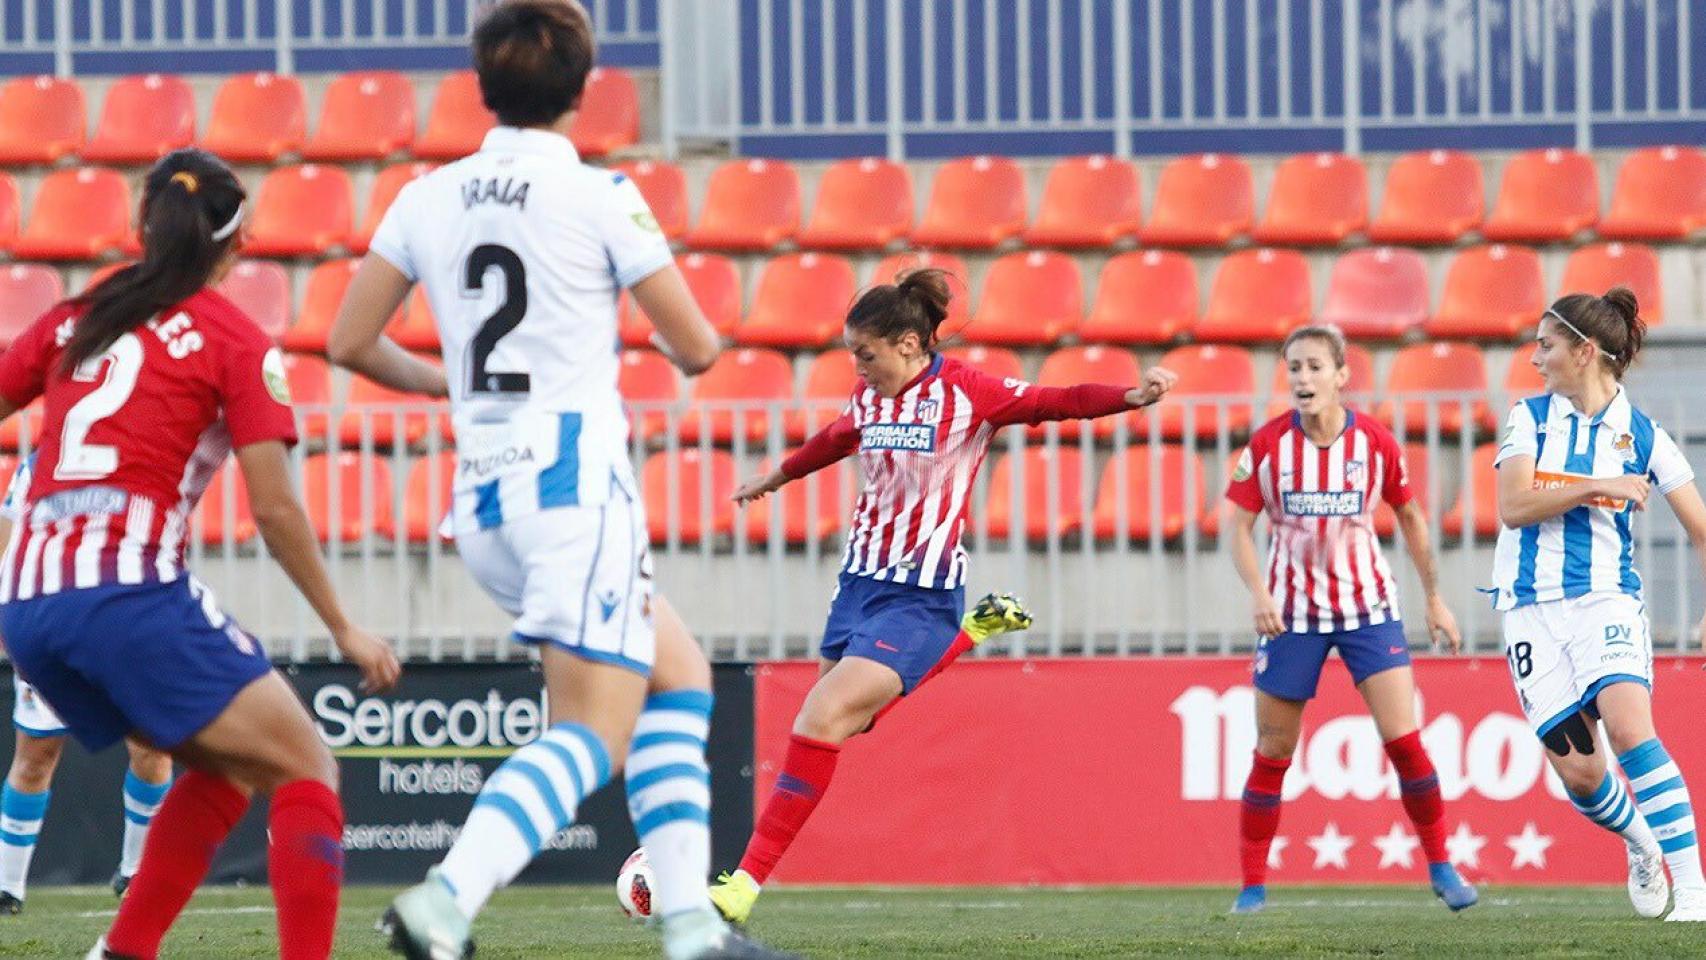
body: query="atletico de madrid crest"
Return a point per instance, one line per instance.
(1353, 473)
(929, 411)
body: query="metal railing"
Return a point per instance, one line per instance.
(1114, 539)
(67, 37)
(924, 78)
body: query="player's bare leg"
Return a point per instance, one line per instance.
(1279, 722)
(23, 805)
(1391, 698)
(995, 614)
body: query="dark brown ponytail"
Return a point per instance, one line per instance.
(1613, 322)
(917, 302)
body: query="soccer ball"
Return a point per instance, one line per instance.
(634, 884)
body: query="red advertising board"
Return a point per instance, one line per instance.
(1130, 770)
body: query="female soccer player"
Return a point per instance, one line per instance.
(523, 250)
(1318, 473)
(40, 744)
(149, 381)
(921, 423)
(1573, 465)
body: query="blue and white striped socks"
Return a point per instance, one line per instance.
(1663, 800)
(141, 802)
(531, 797)
(669, 797)
(20, 823)
(1613, 808)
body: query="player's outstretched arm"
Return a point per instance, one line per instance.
(682, 332)
(1690, 511)
(1017, 402)
(1442, 625)
(289, 536)
(1242, 526)
(1521, 505)
(358, 341)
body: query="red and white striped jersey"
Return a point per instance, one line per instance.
(131, 438)
(1325, 567)
(920, 452)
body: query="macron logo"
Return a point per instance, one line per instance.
(1344, 503)
(916, 437)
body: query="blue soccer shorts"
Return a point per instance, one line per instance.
(905, 628)
(1289, 666)
(156, 658)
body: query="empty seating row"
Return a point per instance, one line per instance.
(260, 117)
(1203, 200)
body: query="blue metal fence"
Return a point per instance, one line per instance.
(945, 77)
(223, 36)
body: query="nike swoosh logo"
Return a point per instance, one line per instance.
(1394, 650)
(883, 646)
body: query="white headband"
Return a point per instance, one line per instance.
(235, 222)
(1560, 318)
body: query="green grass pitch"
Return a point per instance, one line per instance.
(539, 922)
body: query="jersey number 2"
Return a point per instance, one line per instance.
(121, 363)
(499, 324)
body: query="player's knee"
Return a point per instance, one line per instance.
(830, 722)
(35, 761)
(149, 764)
(1626, 736)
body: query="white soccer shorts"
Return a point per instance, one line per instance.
(579, 578)
(31, 714)
(1563, 652)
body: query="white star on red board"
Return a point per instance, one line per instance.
(1274, 849)
(1464, 846)
(1397, 848)
(1528, 848)
(1330, 847)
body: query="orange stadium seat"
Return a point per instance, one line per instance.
(976, 203)
(829, 383)
(1490, 291)
(998, 362)
(1358, 392)
(1145, 296)
(749, 205)
(427, 495)
(1377, 293)
(1141, 522)
(648, 378)
(80, 213)
(27, 290)
(688, 491)
(42, 119)
(609, 114)
(261, 289)
(380, 196)
(414, 328)
(811, 506)
(379, 405)
(1549, 194)
(1432, 196)
(1660, 195)
(1030, 298)
(1257, 295)
(1071, 366)
(354, 519)
(310, 381)
(863, 203)
(1421, 481)
(1317, 198)
(802, 300)
(959, 282)
(1483, 488)
(750, 378)
(664, 186)
(144, 118)
(1521, 379)
(1598, 267)
(1214, 374)
(257, 118)
(366, 115)
(302, 211)
(320, 302)
(714, 281)
(211, 510)
(100, 274)
(1092, 201)
(1204, 200)
(1061, 468)
(1437, 368)
(10, 210)
(458, 121)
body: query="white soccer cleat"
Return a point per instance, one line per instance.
(1649, 888)
(1690, 905)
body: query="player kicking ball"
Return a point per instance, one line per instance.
(1574, 464)
(1318, 472)
(921, 424)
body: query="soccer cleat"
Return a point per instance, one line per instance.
(1690, 905)
(10, 906)
(1649, 888)
(1451, 887)
(734, 894)
(121, 883)
(1251, 899)
(996, 613)
(100, 952)
(424, 923)
(737, 947)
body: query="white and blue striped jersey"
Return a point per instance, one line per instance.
(18, 490)
(1590, 549)
(523, 251)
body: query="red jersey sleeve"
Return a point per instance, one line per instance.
(830, 445)
(1010, 401)
(1245, 488)
(255, 393)
(25, 365)
(1395, 486)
